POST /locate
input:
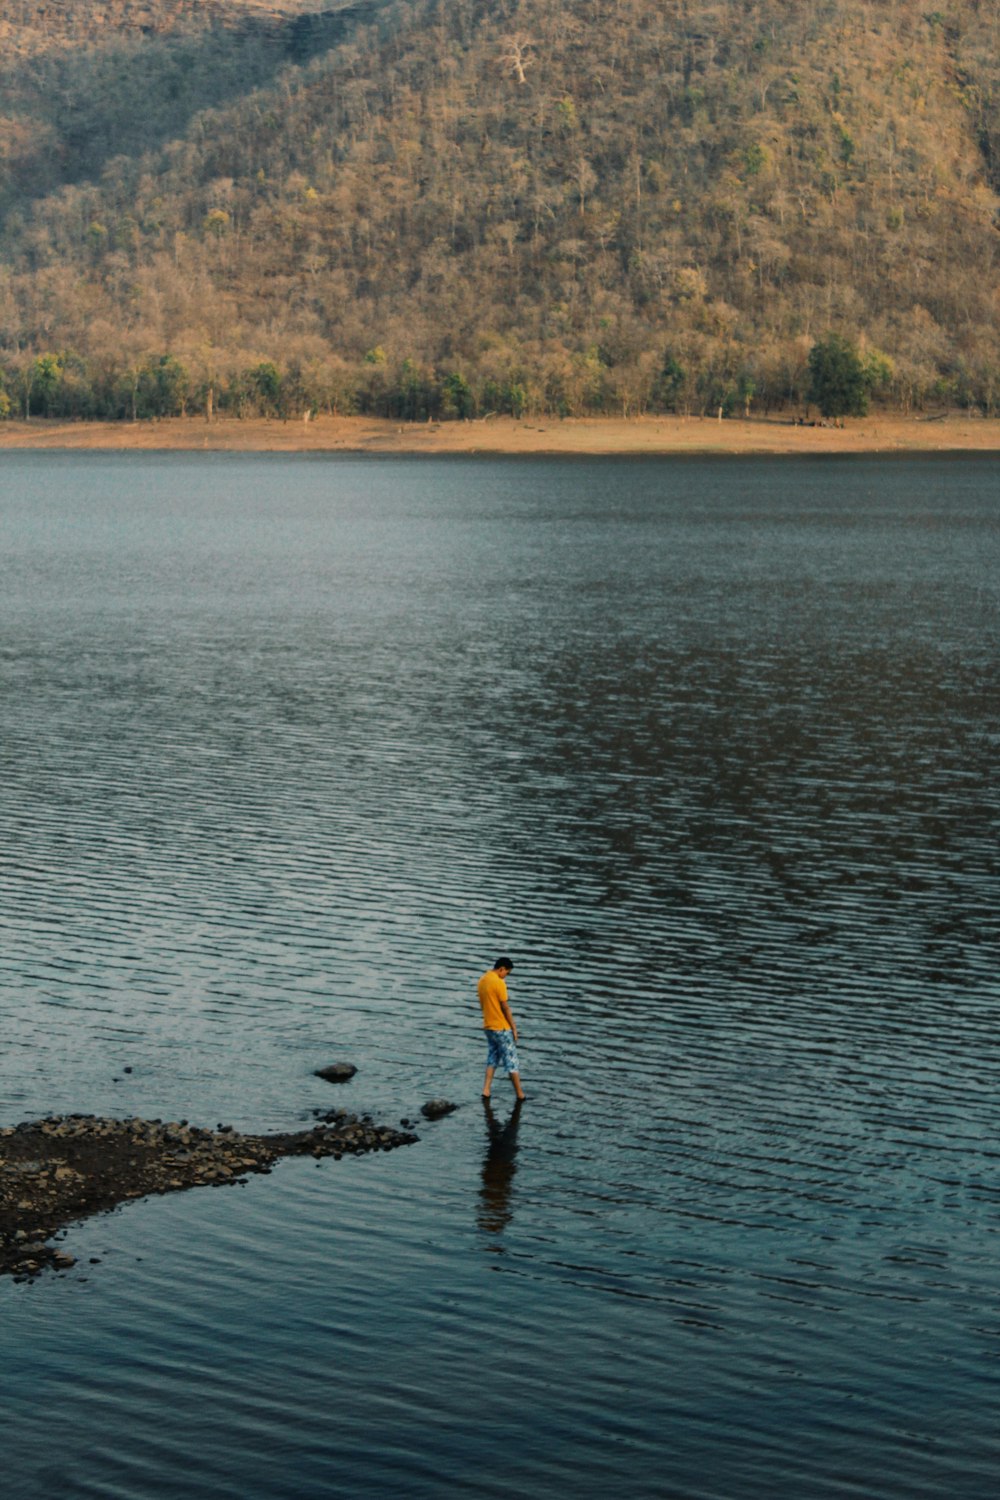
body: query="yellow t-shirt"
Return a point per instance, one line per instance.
(492, 990)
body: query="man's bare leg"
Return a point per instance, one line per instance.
(488, 1082)
(515, 1079)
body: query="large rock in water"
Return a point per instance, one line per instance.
(434, 1109)
(338, 1072)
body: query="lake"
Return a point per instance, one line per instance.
(292, 749)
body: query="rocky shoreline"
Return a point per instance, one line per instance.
(68, 1167)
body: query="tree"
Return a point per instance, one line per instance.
(20, 377)
(265, 383)
(515, 58)
(456, 394)
(837, 381)
(48, 373)
(668, 384)
(162, 387)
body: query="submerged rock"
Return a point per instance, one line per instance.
(435, 1109)
(338, 1072)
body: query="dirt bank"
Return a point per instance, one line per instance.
(58, 1170)
(605, 435)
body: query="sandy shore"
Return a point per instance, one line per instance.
(503, 435)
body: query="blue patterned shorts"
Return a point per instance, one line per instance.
(501, 1051)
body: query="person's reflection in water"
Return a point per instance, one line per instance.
(499, 1166)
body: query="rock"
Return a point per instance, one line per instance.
(435, 1109)
(338, 1072)
(55, 1172)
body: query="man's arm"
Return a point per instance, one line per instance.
(509, 1017)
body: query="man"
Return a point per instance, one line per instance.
(499, 1025)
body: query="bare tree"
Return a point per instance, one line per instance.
(515, 59)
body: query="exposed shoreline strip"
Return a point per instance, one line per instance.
(503, 435)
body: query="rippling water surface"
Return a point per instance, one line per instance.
(290, 750)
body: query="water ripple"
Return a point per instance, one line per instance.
(290, 750)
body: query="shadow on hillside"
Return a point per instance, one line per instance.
(75, 110)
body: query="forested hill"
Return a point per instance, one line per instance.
(84, 80)
(442, 206)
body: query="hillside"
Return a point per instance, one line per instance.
(578, 206)
(83, 81)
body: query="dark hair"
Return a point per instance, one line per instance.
(504, 963)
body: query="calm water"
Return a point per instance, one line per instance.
(290, 750)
